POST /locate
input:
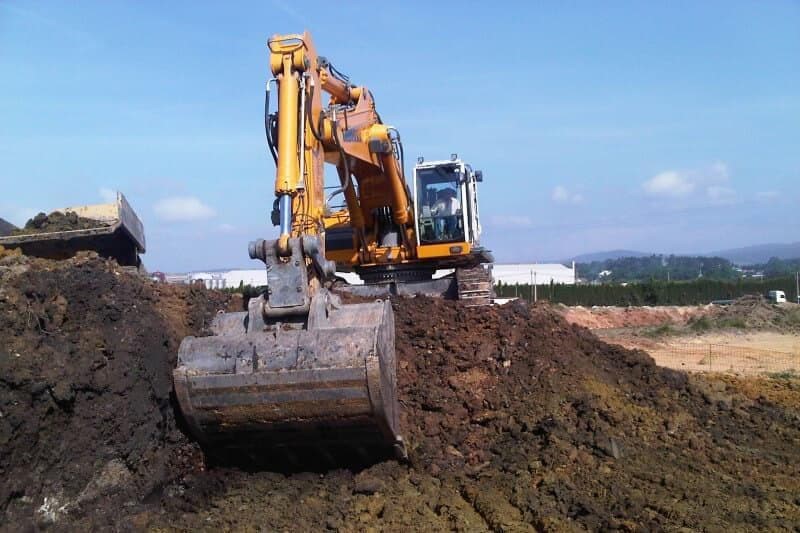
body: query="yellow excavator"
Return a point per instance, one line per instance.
(300, 370)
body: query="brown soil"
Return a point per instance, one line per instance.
(57, 221)
(515, 420)
(755, 312)
(86, 419)
(608, 317)
(749, 312)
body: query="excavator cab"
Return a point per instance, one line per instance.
(446, 206)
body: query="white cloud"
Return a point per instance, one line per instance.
(562, 195)
(183, 208)
(767, 196)
(669, 183)
(510, 221)
(716, 173)
(720, 195)
(708, 184)
(108, 195)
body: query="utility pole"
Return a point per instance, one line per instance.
(797, 286)
(535, 289)
(530, 294)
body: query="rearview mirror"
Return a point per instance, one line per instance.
(479, 176)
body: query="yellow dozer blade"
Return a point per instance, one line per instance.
(274, 386)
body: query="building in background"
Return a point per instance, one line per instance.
(539, 273)
(508, 274)
(225, 279)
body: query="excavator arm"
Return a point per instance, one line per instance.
(347, 132)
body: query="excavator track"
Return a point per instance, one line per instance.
(474, 285)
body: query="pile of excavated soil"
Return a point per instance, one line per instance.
(515, 420)
(57, 221)
(607, 317)
(87, 426)
(755, 312)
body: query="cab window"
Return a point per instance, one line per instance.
(440, 205)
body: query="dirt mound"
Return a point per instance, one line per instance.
(515, 421)
(753, 312)
(57, 221)
(86, 419)
(607, 317)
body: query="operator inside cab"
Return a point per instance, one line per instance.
(444, 212)
(440, 204)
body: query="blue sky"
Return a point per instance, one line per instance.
(668, 127)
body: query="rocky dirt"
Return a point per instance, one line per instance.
(57, 221)
(515, 420)
(749, 312)
(518, 421)
(752, 313)
(86, 417)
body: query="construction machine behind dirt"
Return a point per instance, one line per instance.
(112, 230)
(301, 371)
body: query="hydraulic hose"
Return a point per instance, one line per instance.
(314, 130)
(345, 164)
(268, 127)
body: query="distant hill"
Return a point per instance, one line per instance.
(605, 256)
(6, 227)
(747, 255)
(760, 253)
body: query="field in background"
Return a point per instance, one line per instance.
(750, 337)
(761, 353)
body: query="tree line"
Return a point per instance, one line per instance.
(776, 267)
(653, 292)
(665, 267)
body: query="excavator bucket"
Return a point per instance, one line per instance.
(281, 392)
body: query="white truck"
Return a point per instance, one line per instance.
(776, 297)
